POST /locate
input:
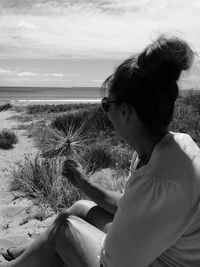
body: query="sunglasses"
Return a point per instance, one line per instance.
(105, 102)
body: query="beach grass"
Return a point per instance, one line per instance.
(39, 178)
(5, 106)
(7, 139)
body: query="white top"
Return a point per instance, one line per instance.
(157, 223)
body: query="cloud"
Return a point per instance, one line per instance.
(91, 28)
(54, 74)
(5, 72)
(41, 79)
(40, 76)
(25, 74)
(27, 25)
(32, 75)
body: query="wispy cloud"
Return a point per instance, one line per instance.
(27, 25)
(54, 74)
(40, 79)
(5, 72)
(91, 28)
(31, 76)
(25, 74)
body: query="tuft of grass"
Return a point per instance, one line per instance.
(40, 179)
(7, 139)
(66, 137)
(5, 107)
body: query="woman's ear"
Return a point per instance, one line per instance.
(128, 112)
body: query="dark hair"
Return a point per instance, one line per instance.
(148, 80)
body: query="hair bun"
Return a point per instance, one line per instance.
(165, 58)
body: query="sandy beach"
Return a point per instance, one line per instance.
(14, 225)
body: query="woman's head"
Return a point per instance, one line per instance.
(148, 81)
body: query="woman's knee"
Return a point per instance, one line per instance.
(81, 208)
(92, 213)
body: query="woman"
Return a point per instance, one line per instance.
(157, 219)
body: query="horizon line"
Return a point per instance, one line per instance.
(51, 86)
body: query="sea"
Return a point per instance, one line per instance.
(54, 95)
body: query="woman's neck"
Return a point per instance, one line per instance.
(146, 142)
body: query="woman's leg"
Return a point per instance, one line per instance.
(92, 213)
(88, 211)
(70, 241)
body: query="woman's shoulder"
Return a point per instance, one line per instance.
(176, 158)
(145, 185)
(184, 141)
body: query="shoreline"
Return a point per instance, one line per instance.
(56, 101)
(23, 102)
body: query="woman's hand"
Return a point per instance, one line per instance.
(73, 171)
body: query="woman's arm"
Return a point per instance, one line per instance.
(107, 200)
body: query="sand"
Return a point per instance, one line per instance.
(14, 223)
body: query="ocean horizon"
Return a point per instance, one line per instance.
(27, 95)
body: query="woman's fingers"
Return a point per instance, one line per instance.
(71, 162)
(71, 169)
(68, 169)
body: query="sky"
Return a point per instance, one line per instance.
(80, 42)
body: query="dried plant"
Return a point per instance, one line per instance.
(68, 140)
